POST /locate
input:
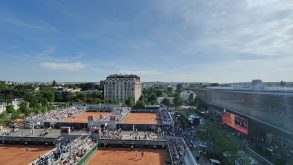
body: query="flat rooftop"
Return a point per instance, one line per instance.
(54, 133)
(83, 117)
(123, 156)
(128, 135)
(141, 118)
(16, 154)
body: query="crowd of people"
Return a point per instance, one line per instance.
(188, 134)
(72, 152)
(117, 113)
(57, 114)
(276, 147)
(268, 145)
(165, 116)
(241, 121)
(111, 134)
(133, 135)
(67, 154)
(46, 131)
(100, 107)
(177, 146)
(177, 150)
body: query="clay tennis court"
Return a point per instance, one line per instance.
(124, 156)
(83, 118)
(141, 118)
(17, 155)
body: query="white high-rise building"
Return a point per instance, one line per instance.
(121, 87)
(3, 106)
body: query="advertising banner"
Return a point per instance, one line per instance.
(237, 122)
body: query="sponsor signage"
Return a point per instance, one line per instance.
(237, 122)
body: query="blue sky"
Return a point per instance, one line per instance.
(184, 40)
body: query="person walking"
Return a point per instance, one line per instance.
(26, 147)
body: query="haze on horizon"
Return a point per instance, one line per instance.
(180, 40)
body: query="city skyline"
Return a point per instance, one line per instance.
(171, 41)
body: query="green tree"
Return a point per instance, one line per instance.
(200, 103)
(221, 143)
(98, 100)
(36, 109)
(35, 100)
(80, 97)
(159, 93)
(142, 98)
(43, 109)
(97, 94)
(58, 97)
(152, 99)
(15, 114)
(3, 85)
(130, 101)
(147, 92)
(179, 88)
(88, 86)
(9, 97)
(184, 121)
(24, 108)
(170, 89)
(9, 109)
(90, 100)
(48, 93)
(54, 83)
(66, 96)
(166, 101)
(190, 98)
(168, 92)
(49, 96)
(140, 104)
(4, 118)
(177, 101)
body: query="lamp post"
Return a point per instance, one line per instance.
(3, 137)
(33, 129)
(70, 148)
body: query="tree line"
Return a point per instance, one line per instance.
(41, 98)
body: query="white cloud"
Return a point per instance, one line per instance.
(63, 66)
(36, 24)
(249, 39)
(236, 27)
(186, 40)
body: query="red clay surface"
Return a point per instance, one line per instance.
(17, 155)
(141, 118)
(83, 118)
(126, 157)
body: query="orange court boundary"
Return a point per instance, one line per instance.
(83, 117)
(17, 154)
(141, 118)
(124, 156)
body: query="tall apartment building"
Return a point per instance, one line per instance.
(121, 87)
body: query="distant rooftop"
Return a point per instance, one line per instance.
(124, 76)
